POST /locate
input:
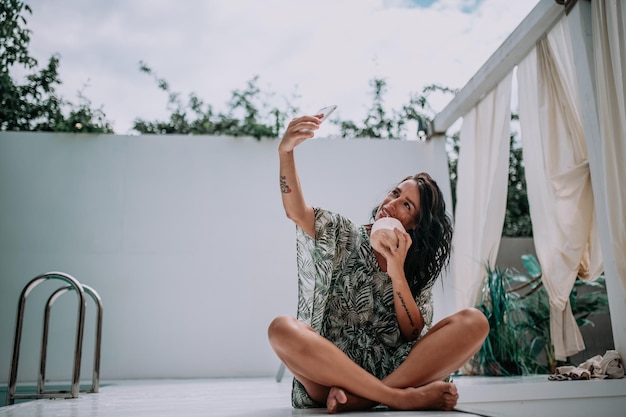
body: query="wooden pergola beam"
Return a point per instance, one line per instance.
(519, 43)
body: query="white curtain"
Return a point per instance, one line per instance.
(481, 191)
(558, 180)
(609, 44)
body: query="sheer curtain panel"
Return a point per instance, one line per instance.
(481, 191)
(558, 180)
(609, 45)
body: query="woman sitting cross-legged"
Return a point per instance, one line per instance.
(363, 336)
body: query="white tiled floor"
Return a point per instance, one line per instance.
(532, 396)
(262, 397)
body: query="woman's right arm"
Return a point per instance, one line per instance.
(296, 208)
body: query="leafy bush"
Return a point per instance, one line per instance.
(518, 309)
(248, 113)
(34, 105)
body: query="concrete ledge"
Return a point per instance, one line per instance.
(530, 396)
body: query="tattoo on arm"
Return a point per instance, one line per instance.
(284, 188)
(406, 308)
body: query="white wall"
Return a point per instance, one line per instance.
(183, 237)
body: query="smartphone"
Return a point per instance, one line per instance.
(326, 111)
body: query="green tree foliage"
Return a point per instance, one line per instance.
(517, 222)
(34, 105)
(377, 123)
(248, 113)
(380, 124)
(453, 144)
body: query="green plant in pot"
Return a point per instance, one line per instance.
(518, 309)
(534, 317)
(500, 353)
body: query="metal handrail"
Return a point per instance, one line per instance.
(95, 384)
(75, 386)
(98, 340)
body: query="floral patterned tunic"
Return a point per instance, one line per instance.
(345, 297)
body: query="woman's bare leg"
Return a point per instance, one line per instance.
(443, 350)
(315, 361)
(447, 346)
(319, 365)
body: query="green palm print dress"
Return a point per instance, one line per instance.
(345, 297)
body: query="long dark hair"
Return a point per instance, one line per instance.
(431, 239)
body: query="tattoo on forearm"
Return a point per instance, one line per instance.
(405, 308)
(284, 188)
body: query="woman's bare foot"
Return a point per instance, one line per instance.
(437, 395)
(340, 400)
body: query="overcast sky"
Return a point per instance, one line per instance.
(324, 51)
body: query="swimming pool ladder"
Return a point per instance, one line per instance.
(81, 290)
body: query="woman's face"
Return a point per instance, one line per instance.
(402, 203)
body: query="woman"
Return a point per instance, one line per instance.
(362, 336)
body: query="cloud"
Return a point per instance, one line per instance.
(325, 51)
